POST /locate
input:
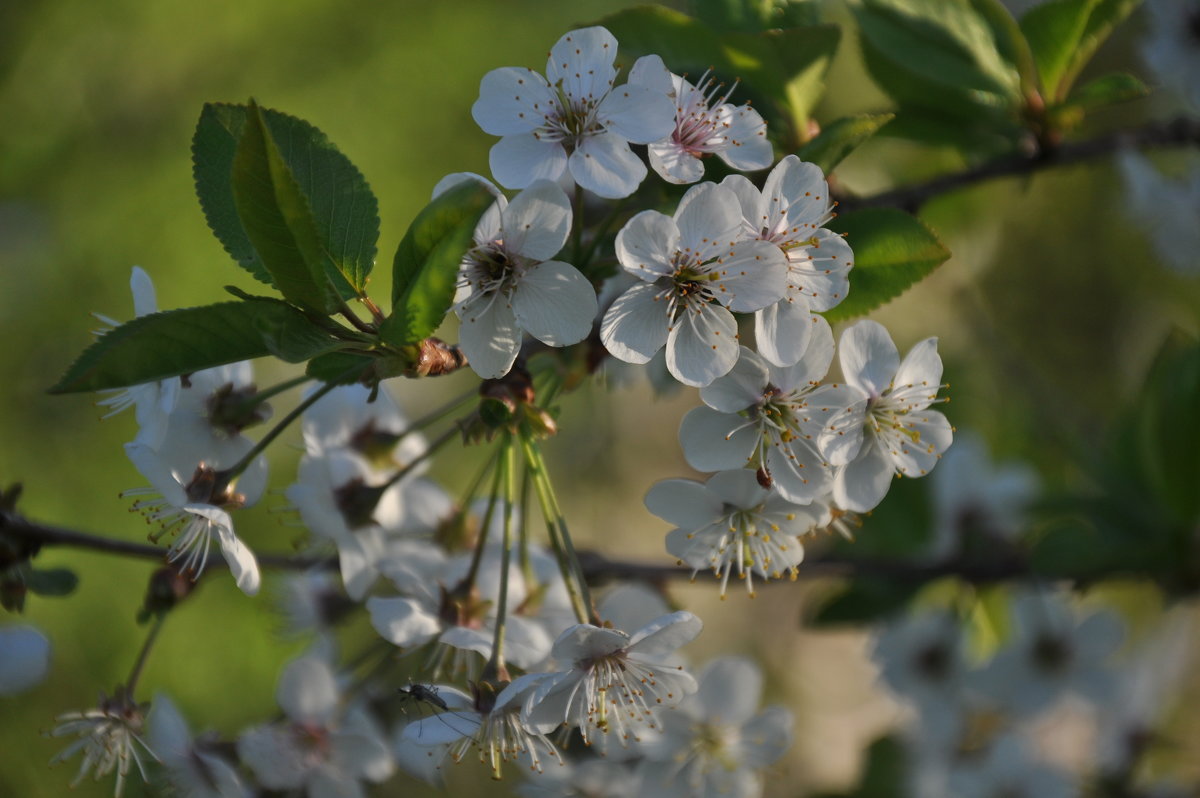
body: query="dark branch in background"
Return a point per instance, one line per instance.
(1181, 132)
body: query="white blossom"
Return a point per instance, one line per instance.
(192, 768)
(110, 737)
(24, 658)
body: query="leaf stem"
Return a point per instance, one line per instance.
(140, 663)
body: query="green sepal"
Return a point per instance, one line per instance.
(345, 210)
(174, 342)
(840, 138)
(425, 269)
(892, 251)
(51, 581)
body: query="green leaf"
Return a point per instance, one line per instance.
(936, 54)
(174, 342)
(794, 74)
(892, 251)
(745, 16)
(1053, 30)
(51, 581)
(425, 268)
(278, 220)
(1168, 427)
(1010, 41)
(340, 368)
(685, 44)
(345, 209)
(863, 601)
(1117, 87)
(840, 138)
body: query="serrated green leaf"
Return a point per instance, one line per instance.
(174, 342)
(278, 220)
(426, 265)
(345, 209)
(51, 581)
(840, 138)
(1053, 30)
(864, 601)
(340, 368)
(892, 251)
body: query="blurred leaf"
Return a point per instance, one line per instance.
(936, 54)
(803, 56)
(340, 368)
(1105, 17)
(51, 581)
(885, 769)
(983, 136)
(174, 342)
(892, 251)
(1010, 41)
(1053, 30)
(840, 138)
(278, 220)
(745, 16)
(685, 44)
(1110, 89)
(1168, 416)
(425, 268)
(864, 601)
(345, 209)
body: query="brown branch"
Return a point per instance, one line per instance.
(1181, 132)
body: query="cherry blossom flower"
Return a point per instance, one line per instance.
(768, 418)
(614, 681)
(321, 747)
(24, 658)
(694, 271)
(888, 429)
(192, 768)
(706, 123)
(789, 212)
(509, 283)
(716, 742)
(110, 737)
(731, 523)
(573, 121)
(1007, 770)
(193, 511)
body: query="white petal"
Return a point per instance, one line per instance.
(916, 458)
(144, 299)
(651, 72)
(512, 100)
(709, 218)
(489, 335)
(753, 276)
(741, 388)
(638, 114)
(329, 783)
(842, 438)
(583, 61)
(605, 166)
(869, 358)
(738, 488)
(782, 331)
(307, 691)
(766, 737)
(730, 690)
(714, 441)
(748, 147)
(646, 245)
(24, 658)
(242, 563)
(273, 756)
(157, 472)
(519, 160)
(702, 346)
(921, 368)
(749, 198)
(402, 621)
(663, 636)
(813, 365)
(555, 303)
(799, 187)
(537, 222)
(359, 749)
(683, 502)
(583, 642)
(635, 326)
(675, 164)
(798, 471)
(861, 484)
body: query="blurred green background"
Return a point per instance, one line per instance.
(1047, 315)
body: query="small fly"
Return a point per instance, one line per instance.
(424, 693)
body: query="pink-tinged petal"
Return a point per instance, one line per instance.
(519, 160)
(750, 200)
(308, 691)
(662, 637)
(933, 433)
(869, 358)
(555, 303)
(920, 373)
(638, 114)
(741, 388)
(241, 561)
(813, 365)
(537, 222)
(604, 165)
(753, 275)
(730, 691)
(798, 471)
(702, 345)
(489, 335)
(715, 441)
(651, 72)
(583, 61)
(156, 471)
(861, 484)
(512, 100)
(782, 331)
(766, 737)
(842, 437)
(635, 326)
(709, 218)
(683, 502)
(748, 148)
(675, 164)
(737, 488)
(402, 621)
(584, 642)
(144, 299)
(646, 245)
